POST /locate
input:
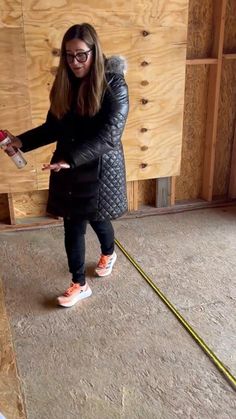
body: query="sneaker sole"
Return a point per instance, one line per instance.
(110, 270)
(80, 297)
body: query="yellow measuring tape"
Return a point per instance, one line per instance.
(230, 378)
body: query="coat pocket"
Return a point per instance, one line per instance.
(88, 172)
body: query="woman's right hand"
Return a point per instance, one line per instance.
(15, 141)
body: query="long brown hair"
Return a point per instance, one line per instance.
(91, 87)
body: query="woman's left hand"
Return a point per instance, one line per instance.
(56, 167)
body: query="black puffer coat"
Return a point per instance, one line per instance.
(94, 187)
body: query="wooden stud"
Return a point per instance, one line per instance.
(172, 190)
(213, 100)
(11, 209)
(132, 194)
(135, 194)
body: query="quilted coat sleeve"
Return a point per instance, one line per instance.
(42, 135)
(108, 134)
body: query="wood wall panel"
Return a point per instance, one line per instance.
(10, 19)
(171, 13)
(163, 83)
(230, 27)
(11, 5)
(225, 132)
(189, 183)
(143, 30)
(15, 112)
(200, 29)
(17, 180)
(14, 99)
(30, 204)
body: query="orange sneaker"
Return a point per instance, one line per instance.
(74, 294)
(105, 264)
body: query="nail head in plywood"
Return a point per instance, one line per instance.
(144, 63)
(144, 83)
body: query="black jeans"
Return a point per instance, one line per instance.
(75, 244)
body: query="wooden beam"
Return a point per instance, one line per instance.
(213, 100)
(200, 61)
(229, 56)
(232, 182)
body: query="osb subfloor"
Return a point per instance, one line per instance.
(11, 402)
(121, 354)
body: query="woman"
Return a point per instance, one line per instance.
(87, 116)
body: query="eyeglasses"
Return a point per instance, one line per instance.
(81, 57)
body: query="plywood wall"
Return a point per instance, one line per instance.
(227, 111)
(200, 25)
(230, 27)
(151, 35)
(31, 203)
(15, 111)
(226, 125)
(200, 41)
(189, 183)
(199, 45)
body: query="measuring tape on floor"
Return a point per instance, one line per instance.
(227, 374)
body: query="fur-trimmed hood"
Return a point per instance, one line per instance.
(116, 64)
